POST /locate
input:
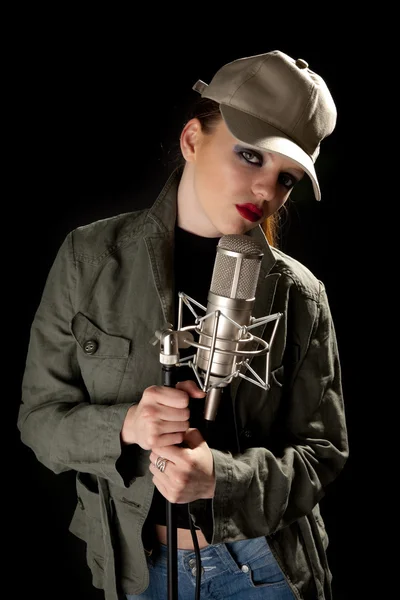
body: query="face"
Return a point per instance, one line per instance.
(229, 187)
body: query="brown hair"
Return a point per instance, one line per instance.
(208, 113)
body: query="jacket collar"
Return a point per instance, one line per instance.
(163, 211)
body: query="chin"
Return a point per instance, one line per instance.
(236, 228)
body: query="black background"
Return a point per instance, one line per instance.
(97, 108)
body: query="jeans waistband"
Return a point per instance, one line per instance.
(217, 558)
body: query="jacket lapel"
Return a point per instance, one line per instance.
(160, 222)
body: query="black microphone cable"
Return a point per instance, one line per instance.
(205, 431)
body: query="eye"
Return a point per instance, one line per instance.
(251, 157)
(287, 180)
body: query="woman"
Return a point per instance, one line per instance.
(93, 398)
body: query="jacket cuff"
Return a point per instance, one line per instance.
(119, 461)
(215, 516)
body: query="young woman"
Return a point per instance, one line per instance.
(93, 396)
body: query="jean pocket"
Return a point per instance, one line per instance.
(265, 573)
(260, 566)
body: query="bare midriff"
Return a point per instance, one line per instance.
(184, 537)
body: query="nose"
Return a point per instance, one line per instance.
(264, 187)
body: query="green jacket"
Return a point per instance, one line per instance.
(90, 358)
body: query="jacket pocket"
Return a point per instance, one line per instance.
(102, 358)
(86, 524)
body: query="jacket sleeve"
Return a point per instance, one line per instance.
(263, 490)
(56, 419)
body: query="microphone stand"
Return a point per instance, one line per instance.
(169, 380)
(170, 342)
(169, 357)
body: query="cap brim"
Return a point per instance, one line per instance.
(257, 133)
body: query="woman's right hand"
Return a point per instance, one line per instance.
(161, 418)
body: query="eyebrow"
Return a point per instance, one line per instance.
(298, 172)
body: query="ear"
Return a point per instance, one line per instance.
(190, 139)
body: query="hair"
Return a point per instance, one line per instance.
(208, 113)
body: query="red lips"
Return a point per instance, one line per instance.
(251, 212)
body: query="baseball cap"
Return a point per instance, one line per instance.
(276, 104)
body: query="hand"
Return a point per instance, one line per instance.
(161, 417)
(189, 470)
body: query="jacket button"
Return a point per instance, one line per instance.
(90, 346)
(247, 433)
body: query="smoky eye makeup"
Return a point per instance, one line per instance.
(284, 177)
(252, 157)
(248, 155)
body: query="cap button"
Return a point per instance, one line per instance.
(302, 64)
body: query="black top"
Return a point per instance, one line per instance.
(194, 259)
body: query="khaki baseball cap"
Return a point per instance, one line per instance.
(276, 104)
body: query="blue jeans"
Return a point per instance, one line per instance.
(244, 570)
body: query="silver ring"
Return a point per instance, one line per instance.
(161, 463)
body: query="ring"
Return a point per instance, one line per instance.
(160, 463)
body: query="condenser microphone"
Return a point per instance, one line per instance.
(230, 300)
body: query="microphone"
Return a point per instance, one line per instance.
(231, 300)
(225, 344)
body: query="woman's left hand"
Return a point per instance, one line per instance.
(189, 469)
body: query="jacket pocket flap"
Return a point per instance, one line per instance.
(88, 496)
(96, 342)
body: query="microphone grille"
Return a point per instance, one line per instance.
(240, 243)
(230, 278)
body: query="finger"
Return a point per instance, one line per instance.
(157, 472)
(179, 455)
(164, 427)
(160, 453)
(169, 413)
(193, 438)
(168, 396)
(157, 476)
(175, 454)
(191, 388)
(159, 483)
(170, 439)
(163, 484)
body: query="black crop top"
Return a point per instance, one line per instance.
(194, 258)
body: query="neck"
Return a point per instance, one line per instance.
(190, 215)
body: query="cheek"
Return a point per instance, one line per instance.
(273, 207)
(212, 181)
(223, 179)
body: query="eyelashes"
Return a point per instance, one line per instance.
(249, 156)
(255, 159)
(288, 184)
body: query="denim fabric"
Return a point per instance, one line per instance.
(244, 570)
